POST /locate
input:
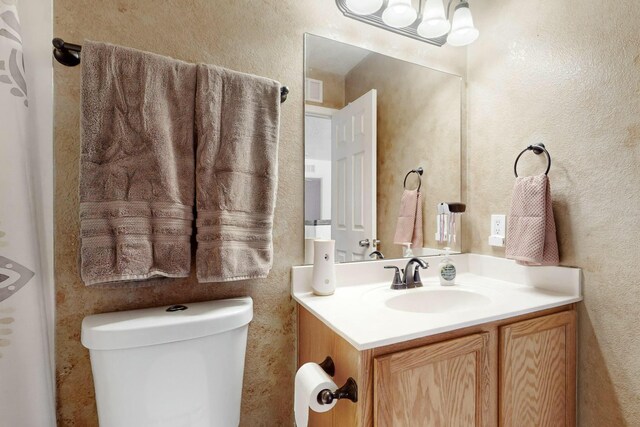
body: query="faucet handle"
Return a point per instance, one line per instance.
(397, 279)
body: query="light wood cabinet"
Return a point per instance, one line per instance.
(442, 384)
(537, 372)
(455, 378)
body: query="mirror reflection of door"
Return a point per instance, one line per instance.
(317, 175)
(353, 172)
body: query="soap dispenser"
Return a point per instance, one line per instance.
(323, 279)
(447, 270)
(407, 252)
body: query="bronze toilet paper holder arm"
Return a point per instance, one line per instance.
(348, 391)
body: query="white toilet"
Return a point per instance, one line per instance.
(178, 366)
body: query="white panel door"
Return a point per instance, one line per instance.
(353, 158)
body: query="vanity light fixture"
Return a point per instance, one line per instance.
(430, 23)
(463, 31)
(399, 13)
(364, 7)
(434, 20)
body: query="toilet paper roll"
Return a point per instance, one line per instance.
(310, 380)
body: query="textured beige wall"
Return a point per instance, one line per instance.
(264, 38)
(567, 73)
(418, 125)
(332, 88)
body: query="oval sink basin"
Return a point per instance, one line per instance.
(437, 301)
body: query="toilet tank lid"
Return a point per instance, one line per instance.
(160, 325)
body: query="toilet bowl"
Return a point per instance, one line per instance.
(179, 366)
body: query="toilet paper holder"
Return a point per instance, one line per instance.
(328, 366)
(348, 391)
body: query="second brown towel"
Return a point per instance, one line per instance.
(237, 125)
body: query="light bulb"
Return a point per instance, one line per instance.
(434, 22)
(462, 30)
(364, 7)
(399, 13)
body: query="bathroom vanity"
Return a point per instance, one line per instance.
(497, 349)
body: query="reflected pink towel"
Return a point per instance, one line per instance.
(409, 227)
(531, 228)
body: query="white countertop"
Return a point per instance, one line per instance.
(357, 310)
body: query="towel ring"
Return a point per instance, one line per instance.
(418, 171)
(537, 149)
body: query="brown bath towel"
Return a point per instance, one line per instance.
(237, 122)
(531, 228)
(136, 165)
(409, 226)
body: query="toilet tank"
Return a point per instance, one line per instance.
(178, 366)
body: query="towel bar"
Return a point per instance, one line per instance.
(69, 54)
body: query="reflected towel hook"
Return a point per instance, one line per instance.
(419, 171)
(537, 149)
(69, 54)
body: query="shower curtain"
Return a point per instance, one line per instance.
(26, 392)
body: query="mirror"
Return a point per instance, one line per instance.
(370, 122)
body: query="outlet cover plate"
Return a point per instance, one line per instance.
(498, 230)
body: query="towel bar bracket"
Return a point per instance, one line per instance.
(66, 53)
(69, 54)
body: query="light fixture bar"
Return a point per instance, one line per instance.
(376, 20)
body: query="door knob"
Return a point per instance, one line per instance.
(364, 243)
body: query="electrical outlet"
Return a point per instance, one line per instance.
(498, 230)
(498, 225)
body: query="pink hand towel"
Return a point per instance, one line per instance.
(531, 228)
(409, 226)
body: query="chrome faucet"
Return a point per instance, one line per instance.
(408, 279)
(376, 255)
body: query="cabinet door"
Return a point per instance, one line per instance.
(443, 384)
(537, 372)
